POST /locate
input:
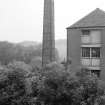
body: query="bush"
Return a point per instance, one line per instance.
(59, 87)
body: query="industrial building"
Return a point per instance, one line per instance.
(86, 43)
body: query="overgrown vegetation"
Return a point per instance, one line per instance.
(20, 84)
(24, 82)
(10, 52)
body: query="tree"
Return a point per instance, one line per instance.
(53, 87)
(36, 63)
(15, 84)
(58, 87)
(12, 86)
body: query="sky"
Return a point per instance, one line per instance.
(22, 20)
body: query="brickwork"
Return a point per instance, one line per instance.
(92, 22)
(48, 51)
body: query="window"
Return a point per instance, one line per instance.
(96, 72)
(95, 52)
(85, 52)
(85, 32)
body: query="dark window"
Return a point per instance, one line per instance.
(85, 52)
(96, 72)
(85, 32)
(95, 52)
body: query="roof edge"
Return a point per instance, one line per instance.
(72, 27)
(85, 27)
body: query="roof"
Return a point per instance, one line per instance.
(94, 19)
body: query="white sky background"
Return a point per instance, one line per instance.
(22, 20)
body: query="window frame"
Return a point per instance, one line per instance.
(96, 72)
(85, 32)
(90, 55)
(85, 52)
(96, 54)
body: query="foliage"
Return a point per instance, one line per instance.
(15, 84)
(10, 52)
(36, 63)
(59, 87)
(20, 84)
(12, 86)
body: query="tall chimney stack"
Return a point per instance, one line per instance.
(48, 50)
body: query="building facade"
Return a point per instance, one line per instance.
(86, 44)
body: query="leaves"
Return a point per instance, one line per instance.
(58, 86)
(21, 85)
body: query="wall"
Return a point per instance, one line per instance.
(102, 76)
(73, 48)
(74, 51)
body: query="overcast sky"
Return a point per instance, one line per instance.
(22, 20)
